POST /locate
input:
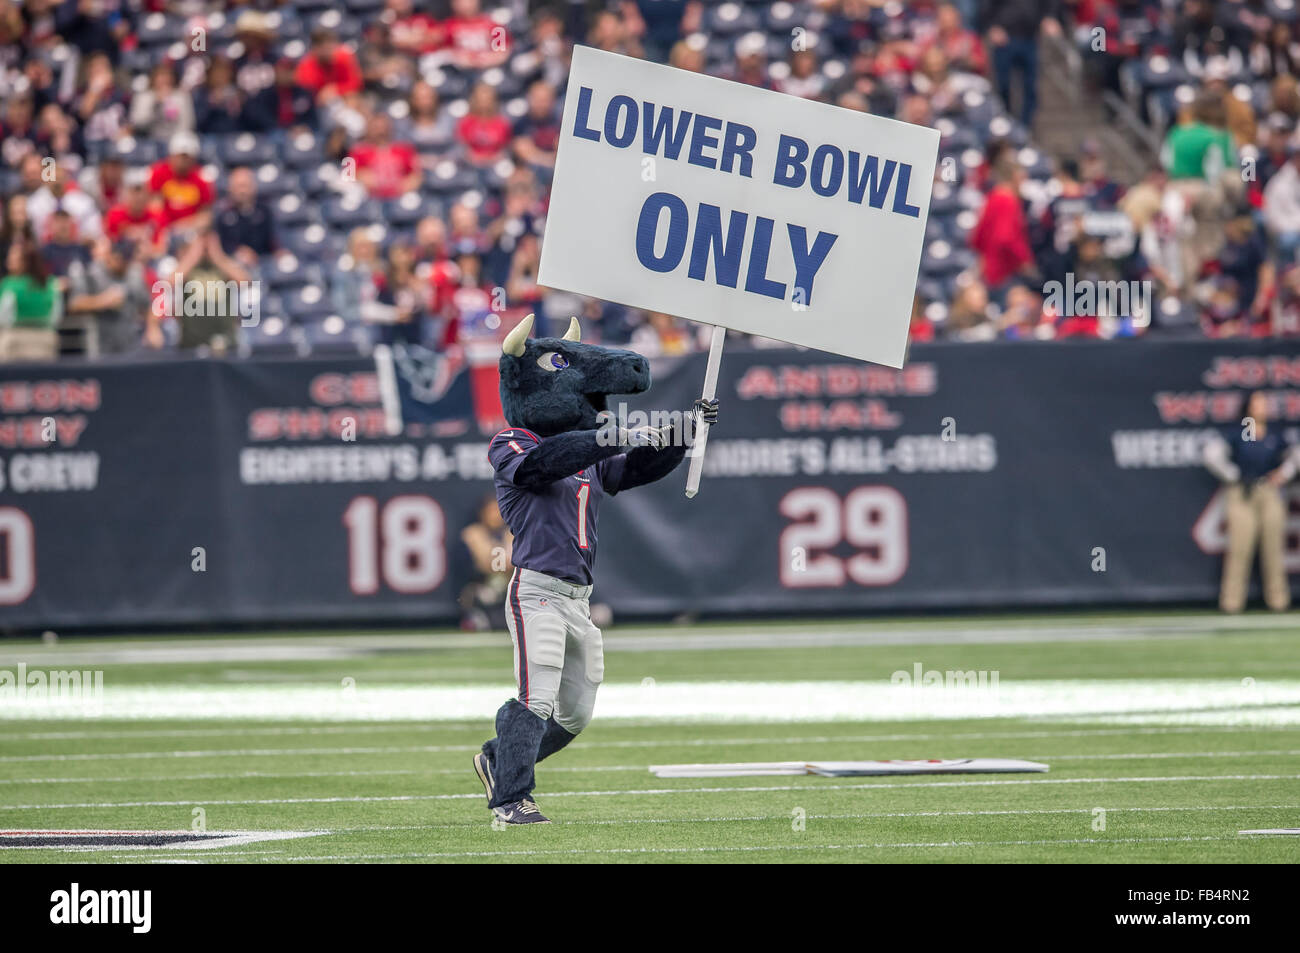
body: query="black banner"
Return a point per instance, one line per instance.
(979, 475)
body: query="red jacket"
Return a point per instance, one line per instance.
(342, 70)
(1001, 236)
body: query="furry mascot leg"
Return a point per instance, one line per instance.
(553, 739)
(513, 752)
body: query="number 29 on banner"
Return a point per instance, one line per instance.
(872, 519)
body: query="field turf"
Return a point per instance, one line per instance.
(1167, 734)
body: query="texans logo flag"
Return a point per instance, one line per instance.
(420, 386)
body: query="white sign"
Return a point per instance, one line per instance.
(738, 206)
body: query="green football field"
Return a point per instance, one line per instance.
(1167, 735)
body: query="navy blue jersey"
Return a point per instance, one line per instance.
(555, 525)
(1257, 458)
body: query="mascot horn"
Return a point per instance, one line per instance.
(561, 454)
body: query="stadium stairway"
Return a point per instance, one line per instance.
(1071, 110)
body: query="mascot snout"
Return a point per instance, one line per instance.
(552, 385)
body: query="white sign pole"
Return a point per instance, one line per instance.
(710, 391)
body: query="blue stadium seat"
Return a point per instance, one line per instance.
(1160, 72)
(307, 302)
(133, 151)
(505, 83)
(944, 200)
(943, 258)
(349, 211)
(291, 211)
(1284, 10)
(287, 271)
(449, 82)
(272, 335)
(160, 29)
(782, 18)
(449, 177)
(409, 209)
(245, 148)
(346, 27)
(302, 151)
(320, 180)
(274, 181)
(330, 333)
(314, 242)
(730, 19)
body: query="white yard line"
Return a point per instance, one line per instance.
(579, 769)
(484, 723)
(380, 828)
(881, 845)
(901, 697)
(752, 789)
(875, 815)
(640, 743)
(649, 639)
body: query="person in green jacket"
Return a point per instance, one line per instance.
(1199, 146)
(1202, 165)
(30, 306)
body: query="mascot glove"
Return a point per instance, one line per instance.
(706, 411)
(656, 437)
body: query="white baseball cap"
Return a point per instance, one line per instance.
(183, 144)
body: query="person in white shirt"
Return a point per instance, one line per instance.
(63, 194)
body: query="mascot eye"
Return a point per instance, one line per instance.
(552, 361)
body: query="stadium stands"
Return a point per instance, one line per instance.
(428, 130)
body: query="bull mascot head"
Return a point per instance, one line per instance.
(554, 385)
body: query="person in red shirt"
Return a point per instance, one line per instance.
(387, 169)
(1001, 236)
(330, 69)
(431, 255)
(411, 31)
(963, 47)
(484, 132)
(475, 40)
(132, 218)
(183, 195)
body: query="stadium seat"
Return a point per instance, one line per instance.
(245, 148)
(407, 210)
(302, 151)
(345, 27)
(287, 271)
(730, 19)
(160, 29)
(272, 335)
(350, 210)
(330, 333)
(307, 302)
(273, 180)
(313, 242)
(133, 151)
(942, 258)
(292, 212)
(449, 177)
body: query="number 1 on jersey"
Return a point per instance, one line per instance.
(584, 494)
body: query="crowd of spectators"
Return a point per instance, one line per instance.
(1218, 219)
(298, 176)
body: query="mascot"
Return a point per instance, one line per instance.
(553, 465)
